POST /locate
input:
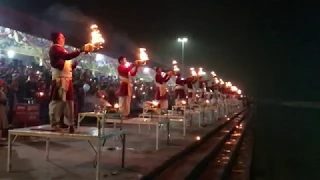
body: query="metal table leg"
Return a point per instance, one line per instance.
(203, 115)
(191, 116)
(103, 121)
(9, 152)
(157, 136)
(80, 118)
(123, 149)
(200, 119)
(98, 159)
(98, 123)
(184, 126)
(168, 132)
(184, 121)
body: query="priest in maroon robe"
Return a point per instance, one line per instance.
(125, 71)
(161, 94)
(202, 89)
(190, 81)
(180, 93)
(208, 84)
(61, 94)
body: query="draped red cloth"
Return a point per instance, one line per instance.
(124, 72)
(179, 89)
(161, 81)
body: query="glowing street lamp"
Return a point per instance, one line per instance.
(182, 41)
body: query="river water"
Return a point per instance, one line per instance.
(287, 144)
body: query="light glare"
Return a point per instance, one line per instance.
(183, 40)
(10, 53)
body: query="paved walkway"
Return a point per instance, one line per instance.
(73, 160)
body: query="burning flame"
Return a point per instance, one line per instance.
(155, 103)
(201, 72)
(193, 72)
(143, 54)
(221, 82)
(234, 88)
(175, 66)
(96, 38)
(213, 74)
(116, 106)
(239, 91)
(174, 62)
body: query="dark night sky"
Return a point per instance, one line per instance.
(269, 48)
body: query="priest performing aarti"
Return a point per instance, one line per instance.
(190, 81)
(180, 94)
(161, 94)
(61, 85)
(202, 87)
(214, 90)
(125, 71)
(207, 90)
(209, 85)
(61, 94)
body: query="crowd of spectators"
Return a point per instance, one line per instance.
(30, 83)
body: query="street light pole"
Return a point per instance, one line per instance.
(183, 41)
(182, 57)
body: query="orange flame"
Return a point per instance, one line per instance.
(193, 72)
(176, 69)
(201, 72)
(174, 62)
(155, 103)
(143, 55)
(175, 66)
(96, 38)
(116, 106)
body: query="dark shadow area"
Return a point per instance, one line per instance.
(23, 167)
(41, 145)
(286, 144)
